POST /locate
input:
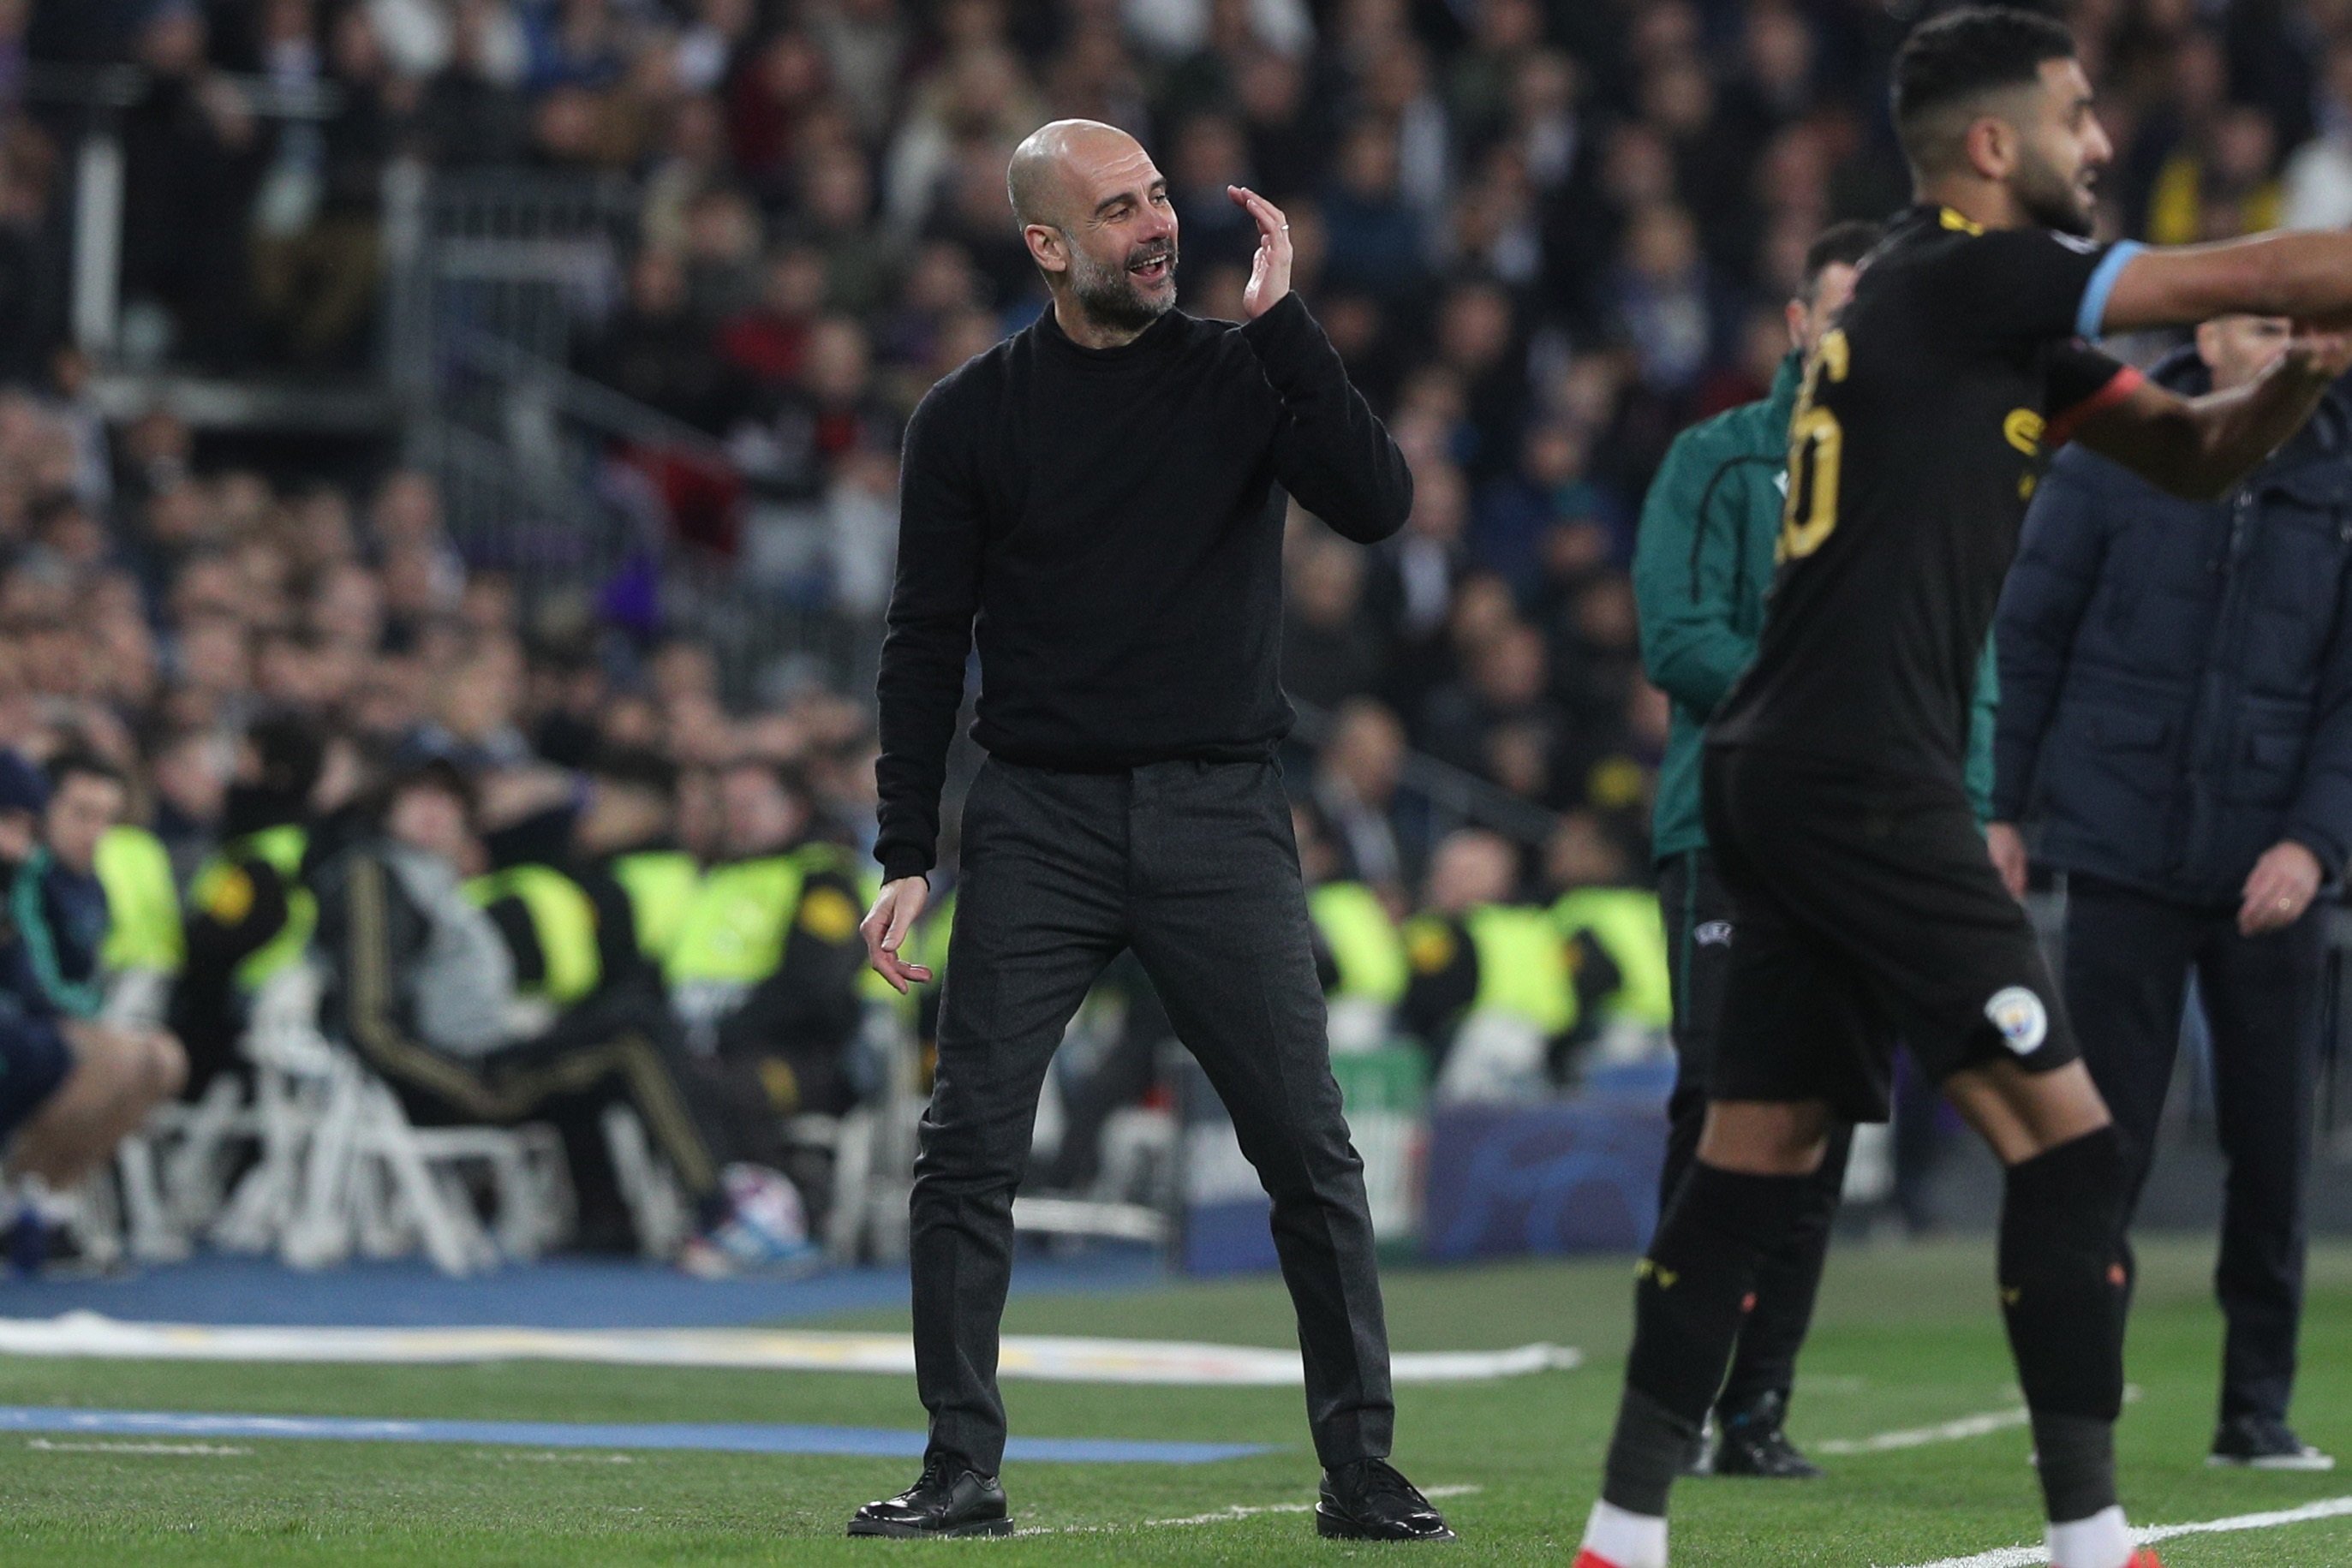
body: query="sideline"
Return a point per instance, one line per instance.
(871, 1442)
(1222, 1516)
(1951, 1431)
(2023, 1556)
(1045, 1358)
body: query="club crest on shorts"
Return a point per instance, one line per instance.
(2022, 1019)
(1713, 933)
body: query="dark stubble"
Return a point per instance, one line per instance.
(2049, 198)
(1109, 293)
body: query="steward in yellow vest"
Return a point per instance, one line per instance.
(567, 922)
(1474, 951)
(1358, 949)
(144, 935)
(1624, 924)
(768, 972)
(625, 834)
(250, 912)
(1366, 947)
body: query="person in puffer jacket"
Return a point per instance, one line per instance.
(2176, 736)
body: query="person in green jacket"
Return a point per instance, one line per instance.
(1703, 560)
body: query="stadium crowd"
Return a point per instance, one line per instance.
(1545, 238)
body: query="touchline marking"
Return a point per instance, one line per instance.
(1953, 1431)
(1222, 1516)
(1920, 1436)
(731, 1438)
(1046, 1357)
(2023, 1556)
(202, 1450)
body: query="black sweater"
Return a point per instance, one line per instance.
(1111, 518)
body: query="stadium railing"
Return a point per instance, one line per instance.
(584, 495)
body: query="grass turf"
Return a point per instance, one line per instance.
(1905, 1338)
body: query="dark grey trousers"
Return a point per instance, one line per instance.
(2128, 959)
(1193, 866)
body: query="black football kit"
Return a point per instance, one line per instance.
(1832, 784)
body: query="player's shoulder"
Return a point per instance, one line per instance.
(1940, 244)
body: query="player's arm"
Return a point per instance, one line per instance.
(2200, 447)
(2305, 276)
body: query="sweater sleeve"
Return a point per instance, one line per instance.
(1330, 451)
(2058, 561)
(1686, 576)
(929, 638)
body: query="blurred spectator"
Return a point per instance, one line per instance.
(1355, 789)
(1329, 653)
(315, 276)
(656, 352)
(2319, 174)
(188, 144)
(1376, 238)
(470, 116)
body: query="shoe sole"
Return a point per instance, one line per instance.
(2303, 1462)
(1335, 1527)
(915, 1532)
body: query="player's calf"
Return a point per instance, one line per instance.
(2062, 1293)
(1689, 1293)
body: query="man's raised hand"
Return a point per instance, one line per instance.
(1270, 271)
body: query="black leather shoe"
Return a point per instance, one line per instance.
(945, 1502)
(1369, 1500)
(1753, 1444)
(2265, 1443)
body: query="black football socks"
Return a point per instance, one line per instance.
(1689, 1294)
(2061, 1294)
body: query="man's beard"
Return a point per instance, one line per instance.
(2052, 203)
(1108, 294)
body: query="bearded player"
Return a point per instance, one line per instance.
(1869, 909)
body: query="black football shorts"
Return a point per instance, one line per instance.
(1869, 912)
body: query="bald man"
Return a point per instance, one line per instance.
(1102, 496)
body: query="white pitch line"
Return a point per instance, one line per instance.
(1222, 1516)
(2024, 1556)
(1920, 1436)
(1964, 1426)
(202, 1450)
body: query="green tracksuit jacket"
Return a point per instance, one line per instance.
(1702, 563)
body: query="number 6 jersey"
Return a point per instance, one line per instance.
(1912, 453)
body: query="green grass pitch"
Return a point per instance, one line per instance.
(1906, 1338)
